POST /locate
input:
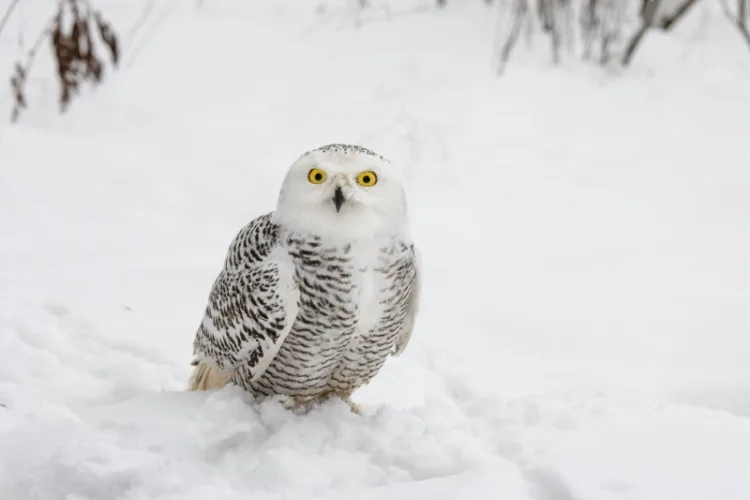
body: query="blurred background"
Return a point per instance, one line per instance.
(578, 177)
(578, 169)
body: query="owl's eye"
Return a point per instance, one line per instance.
(367, 178)
(316, 176)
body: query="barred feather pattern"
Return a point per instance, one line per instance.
(350, 312)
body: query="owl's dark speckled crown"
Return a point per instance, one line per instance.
(346, 149)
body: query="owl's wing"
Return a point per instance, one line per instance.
(412, 308)
(249, 314)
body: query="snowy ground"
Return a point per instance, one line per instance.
(584, 331)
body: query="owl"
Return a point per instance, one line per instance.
(314, 296)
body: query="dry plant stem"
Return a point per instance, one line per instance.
(74, 50)
(520, 8)
(650, 7)
(547, 11)
(738, 19)
(141, 20)
(7, 14)
(146, 30)
(589, 24)
(668, 23)
(21, 71)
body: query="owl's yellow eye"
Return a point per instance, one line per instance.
(367, 178)
(316, 176)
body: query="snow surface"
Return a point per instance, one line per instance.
(584, 332)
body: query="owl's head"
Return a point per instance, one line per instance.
(344, 192)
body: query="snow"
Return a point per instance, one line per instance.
(583, 333)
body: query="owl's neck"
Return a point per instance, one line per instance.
(342, 229)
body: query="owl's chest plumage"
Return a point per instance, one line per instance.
(351, 307)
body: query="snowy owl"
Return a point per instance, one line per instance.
(314, 296)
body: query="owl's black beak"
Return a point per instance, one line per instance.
(338, 198)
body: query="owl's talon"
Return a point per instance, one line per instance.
(355, 408)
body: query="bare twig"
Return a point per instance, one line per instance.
(601, 26)
(21, 71)
(668, 22)
(739, 19)
(590, 22)
(74, 51)
(7, 14)
(547, 11)
(147, 32)
(141, 20)
(520, 9)
(648, 13)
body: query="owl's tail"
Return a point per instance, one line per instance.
(206, 377)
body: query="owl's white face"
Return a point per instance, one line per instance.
(343, 192)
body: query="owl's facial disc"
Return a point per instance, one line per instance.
(343, 192)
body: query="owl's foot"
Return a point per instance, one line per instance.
(347, 398)
(298, 405)
(303, 404)
(355, 408)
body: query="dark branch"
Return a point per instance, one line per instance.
(668, 22)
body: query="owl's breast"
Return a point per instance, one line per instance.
(350, 310)
(367, 299)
